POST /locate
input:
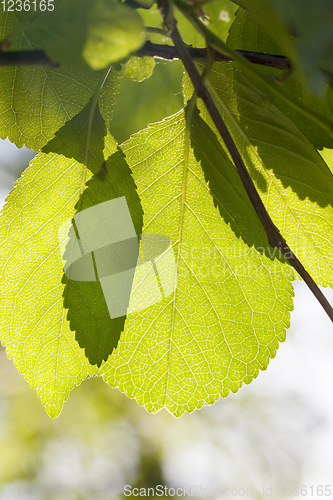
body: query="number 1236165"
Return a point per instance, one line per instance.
(27, 5)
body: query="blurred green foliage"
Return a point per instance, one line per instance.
(160, 95)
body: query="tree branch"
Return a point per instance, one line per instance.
(158, 51)
(274, 236)
(25, 58)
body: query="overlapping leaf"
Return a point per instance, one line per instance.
(88, 312)
(247, 33)
(114, 32)
(34, 327)
(227, 304)
(36, 101)
(294, 182)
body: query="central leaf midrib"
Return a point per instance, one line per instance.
(180, 234)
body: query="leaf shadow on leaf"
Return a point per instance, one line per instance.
(88, 313)
(255, 173)
(300, 167)
(77, 130)
(246, 33)
(89, 317)
(228, 193)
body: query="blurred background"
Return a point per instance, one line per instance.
(278, 431)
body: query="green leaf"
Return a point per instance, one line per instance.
(36, 101)
(81, 32)
(114, 32)
(88, 312)
(294, 183)
(246, 33)
(327, 155)
(152, 17)
(33, 321)
(139, 68)
(303, 28)
(188, 33)
(61, 33)
(218, 15)
(226, 306)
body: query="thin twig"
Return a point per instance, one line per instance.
(156, 31)
(159, 51)
(274, 236)
(170, 53)
(25, 58)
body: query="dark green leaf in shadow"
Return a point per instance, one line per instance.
(79, 132)
(303, 28)
(228, 193)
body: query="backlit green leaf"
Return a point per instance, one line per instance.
(78, 32)
(138, 104)
(225, 305)
(139, 68)
(36, 101)
(220, 15)
(34, 327)
(114, 31)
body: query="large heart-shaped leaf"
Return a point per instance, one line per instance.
(220, 304)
